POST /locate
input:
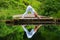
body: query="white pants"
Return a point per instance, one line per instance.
(32, 32)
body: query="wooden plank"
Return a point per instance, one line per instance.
(33, 21)
(30, 19)
(27, 16)
(20, 15)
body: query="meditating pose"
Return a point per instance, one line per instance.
(33, 31)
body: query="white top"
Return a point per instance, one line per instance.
(29, 9)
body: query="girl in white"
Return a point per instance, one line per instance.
(33, 31)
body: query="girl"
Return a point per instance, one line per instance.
(33, 31)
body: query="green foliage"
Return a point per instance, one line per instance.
(50, 7)
(8, 8)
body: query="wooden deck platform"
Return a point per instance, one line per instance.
(29, 19)
(27, 16)
(33, 21)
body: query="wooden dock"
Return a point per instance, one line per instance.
(31, 20)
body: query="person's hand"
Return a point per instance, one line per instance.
(39, 17)
(37, 27)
